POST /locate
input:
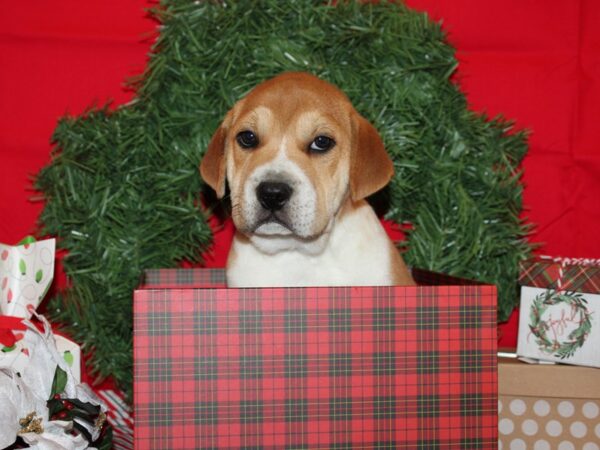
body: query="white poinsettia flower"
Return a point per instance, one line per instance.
(55, 437)
(17, 402)
(24, 414)
(24, 396)
(10, 400)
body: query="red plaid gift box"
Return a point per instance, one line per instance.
(314, 368)
(580, 275)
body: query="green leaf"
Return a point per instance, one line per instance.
(39, 275)
(8, 349)
(22, 266)
(106, 439)
(54, 406)
(59, 382)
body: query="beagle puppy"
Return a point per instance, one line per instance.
(300, 161)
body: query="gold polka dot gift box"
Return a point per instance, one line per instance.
(547, 406)
(560, 311)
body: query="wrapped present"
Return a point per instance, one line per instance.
(26, 273)
(547, 406)
(561, 274)
(44, 407)
(560, 311)
(343, 367)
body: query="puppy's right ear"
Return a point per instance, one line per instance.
(213, 165)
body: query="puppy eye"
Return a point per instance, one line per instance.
(247, 139)
(321, 144)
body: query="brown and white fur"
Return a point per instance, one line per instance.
(300, 212)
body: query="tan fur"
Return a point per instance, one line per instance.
(400, 273)
(287, 113)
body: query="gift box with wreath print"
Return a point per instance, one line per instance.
(560, 309)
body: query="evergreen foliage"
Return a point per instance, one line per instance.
(122, 189)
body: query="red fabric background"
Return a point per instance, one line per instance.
(537, 62)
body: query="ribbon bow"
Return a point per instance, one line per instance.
(7, 325)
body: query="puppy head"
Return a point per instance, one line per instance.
(293, 150)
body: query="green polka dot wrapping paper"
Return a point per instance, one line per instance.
(314, 368)
(26, 274)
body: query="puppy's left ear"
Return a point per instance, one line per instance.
(213, 165)
(370, 167)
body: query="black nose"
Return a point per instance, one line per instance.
(273, 195)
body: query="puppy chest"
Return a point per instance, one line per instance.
(293, 268)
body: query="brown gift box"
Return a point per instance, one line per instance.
(548, 406)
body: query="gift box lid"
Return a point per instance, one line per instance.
(518, 378)
(580, 275)
(315, 367)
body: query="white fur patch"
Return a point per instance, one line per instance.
(354, 252)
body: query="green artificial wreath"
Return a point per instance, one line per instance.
(122, 190)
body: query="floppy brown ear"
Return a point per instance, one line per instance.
(213, 167)
(371, 167)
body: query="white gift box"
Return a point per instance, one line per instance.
(559, 328)
(559, 319)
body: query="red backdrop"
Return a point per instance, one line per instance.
(537, 62)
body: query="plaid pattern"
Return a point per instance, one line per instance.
(316, 368)
(183, 278)
(545, 274)
(215, 278)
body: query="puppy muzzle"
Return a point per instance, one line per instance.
(272, 198)
(278, 200)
